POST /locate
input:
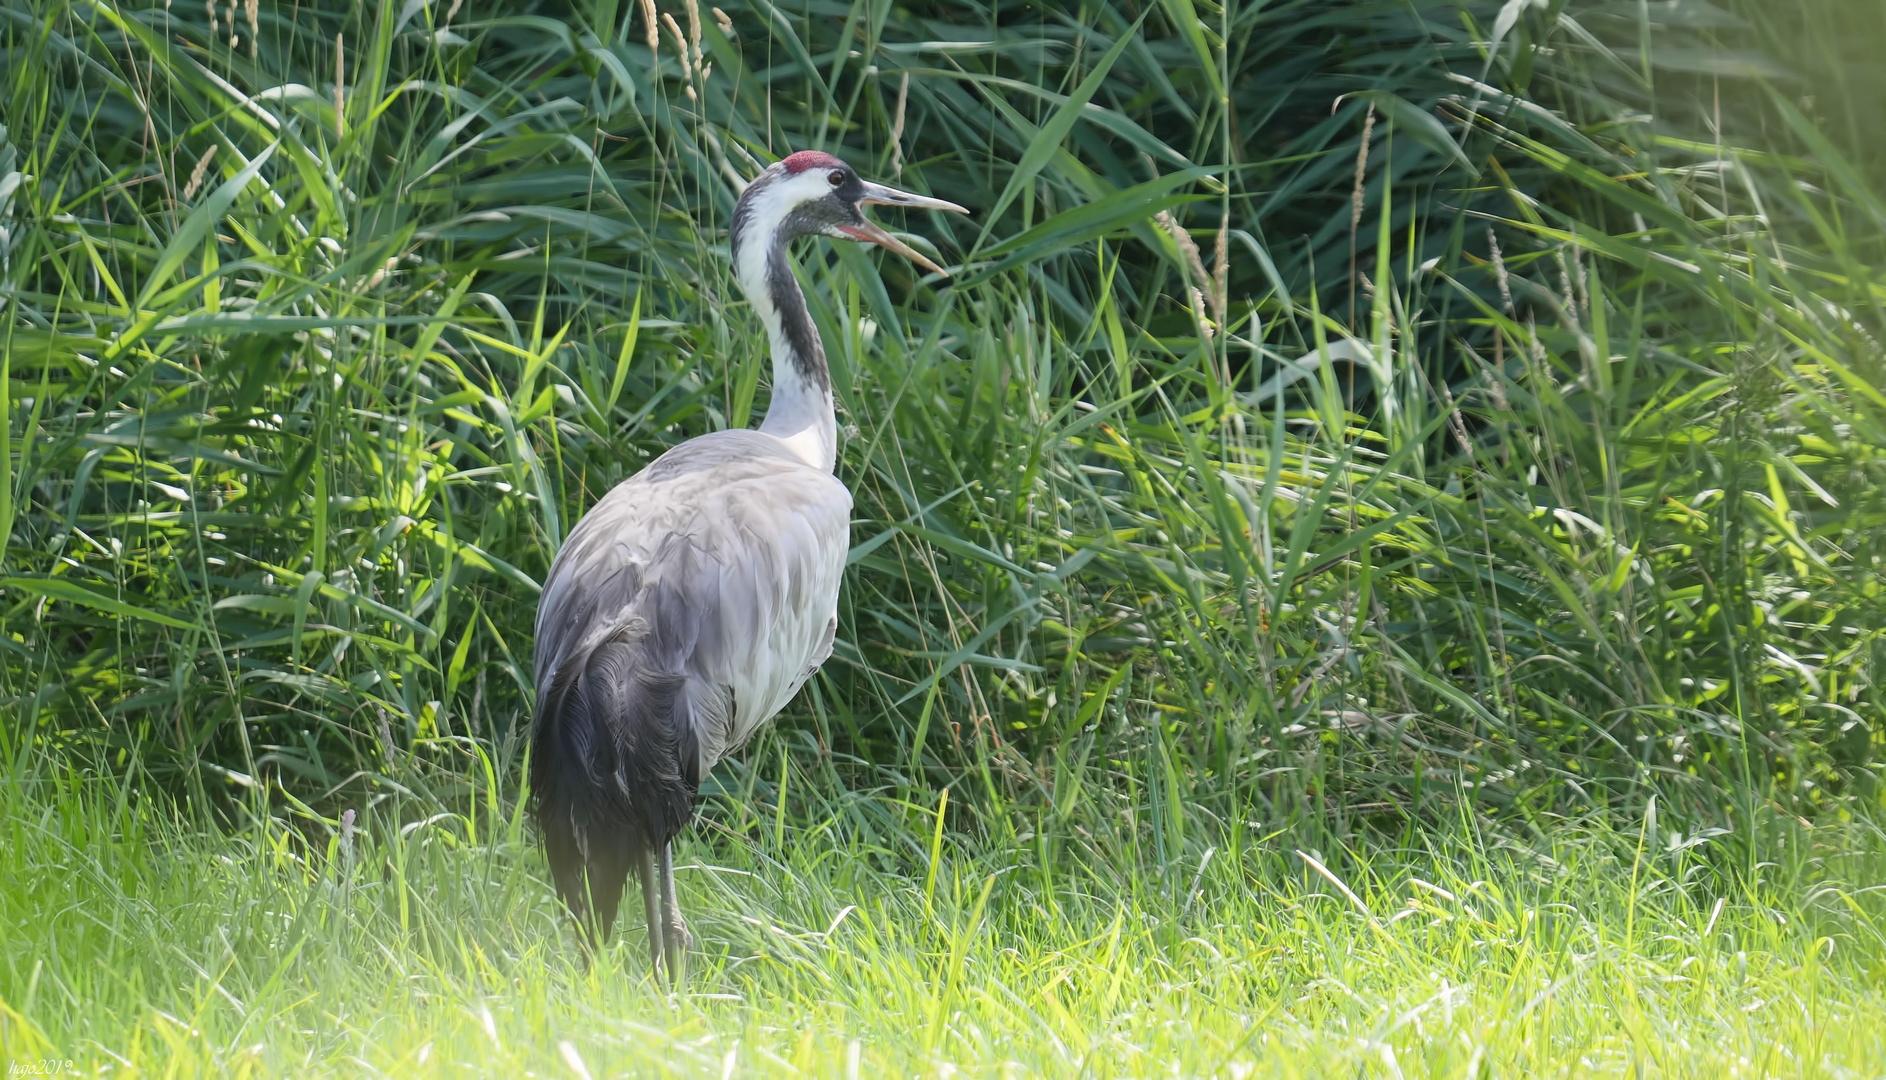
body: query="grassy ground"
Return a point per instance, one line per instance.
(854, 936)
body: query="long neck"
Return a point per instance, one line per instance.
(801, 411)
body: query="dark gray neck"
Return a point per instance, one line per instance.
(800, 413)
(804, 351)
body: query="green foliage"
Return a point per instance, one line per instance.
(1339, 410)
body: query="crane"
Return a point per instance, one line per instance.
(692, 601)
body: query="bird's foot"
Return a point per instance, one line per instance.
(676, 941)
(677, 934)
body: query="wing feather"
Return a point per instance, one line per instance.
(723, 560)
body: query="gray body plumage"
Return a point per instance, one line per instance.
(683, 611)
(691, 603)
(719, 563)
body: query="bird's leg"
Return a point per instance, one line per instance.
(588, 932)
(651, 906)
(675, 936)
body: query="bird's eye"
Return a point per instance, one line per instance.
(837, 178)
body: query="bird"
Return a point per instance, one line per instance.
(688, 606)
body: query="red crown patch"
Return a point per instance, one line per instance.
(811, 159)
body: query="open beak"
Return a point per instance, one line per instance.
(871, 233)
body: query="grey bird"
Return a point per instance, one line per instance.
(696, 597)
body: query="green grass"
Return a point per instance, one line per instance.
(138, 943)
(1430, 434)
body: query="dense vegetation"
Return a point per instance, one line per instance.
(1389, 430)
(1532, 451)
